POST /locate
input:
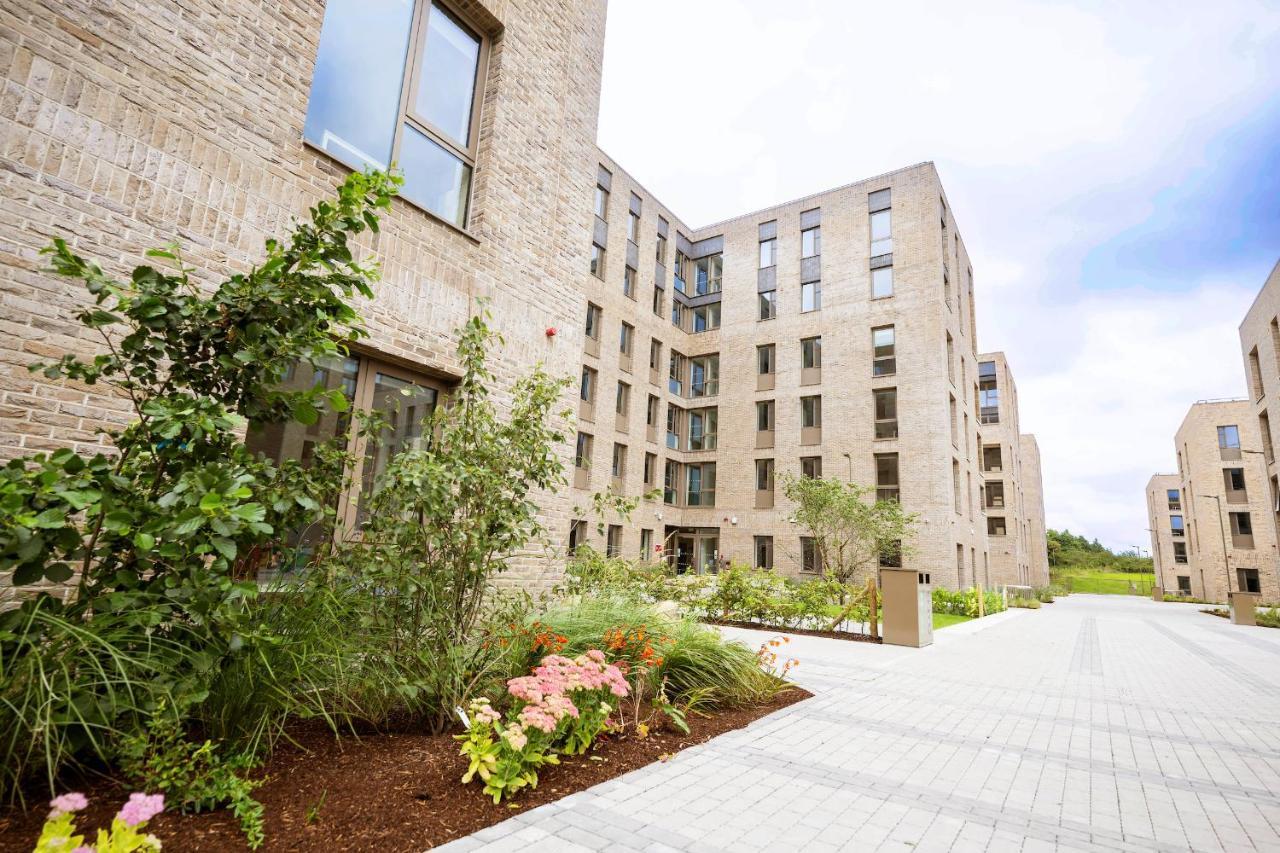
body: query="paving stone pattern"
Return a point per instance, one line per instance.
(1096, 723)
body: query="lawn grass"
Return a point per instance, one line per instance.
(1106, 583)
(944, 620)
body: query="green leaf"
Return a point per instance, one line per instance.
(144, 542)
(58, 573)
(224, 546)
(338, 401)
(52, 517)
(305, 413)
(28, 573)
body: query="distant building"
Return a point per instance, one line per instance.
(1166, 521)
(1226, 504)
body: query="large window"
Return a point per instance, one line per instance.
(810, 560)
(881, 233)
(811, 467)
(704, 376)
(765, 359)
(764, 415)
(707, 274)
(400, 82)
(884, 360)
(703, 428)
(886, 412)
(811, 353)
(810, 296)
(768, 253)
(811, 412)
(764, 552)
(706, 317)
(768, 300)
(811, 242)
(404, 401)
(700, 477)
(887, 477)
(881, 282)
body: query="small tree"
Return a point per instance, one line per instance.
(851, 530)
(444, 518)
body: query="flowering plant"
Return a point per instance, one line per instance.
(561, 707)
(768, 658)
(125, 835)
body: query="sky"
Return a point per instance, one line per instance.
(1114, 170)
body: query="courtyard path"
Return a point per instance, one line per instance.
(1094, 723)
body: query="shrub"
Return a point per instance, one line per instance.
(161, 529)
(1028, 603)
(194, 777)
(965, 602)
(442, 520)
(1044, 594)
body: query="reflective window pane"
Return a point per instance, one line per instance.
(434, 178)
(882, 282)
(447, 75)
(405, 408)
(355, 88)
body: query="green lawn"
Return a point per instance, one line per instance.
(1106, 583)
(944, 620)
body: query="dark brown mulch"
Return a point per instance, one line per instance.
(831, 635)
(386, 792)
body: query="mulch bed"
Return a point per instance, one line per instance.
(384, 792)
(831, 635)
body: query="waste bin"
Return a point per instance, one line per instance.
(1157, 593)
(907, 602)
(1242, 607)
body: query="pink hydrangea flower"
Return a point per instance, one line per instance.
(70, 802)
(141, 808)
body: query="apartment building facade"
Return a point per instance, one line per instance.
(1033, 491)
(1222, 472)
(178, 122)
(1010, 517)
(832, 335)
(1166, 522)
(1260, 348)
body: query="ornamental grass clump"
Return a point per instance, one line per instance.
(558, 709)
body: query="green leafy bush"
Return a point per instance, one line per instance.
(194, 777)
(1027, 603)
(964, 602)
(160, 531)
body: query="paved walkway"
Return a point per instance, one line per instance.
(1096, 723)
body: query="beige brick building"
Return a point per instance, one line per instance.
(216, 123)
(1012, 516)
(1033, 491)
(1166, 522)
(1260, 346)
(1226, 503)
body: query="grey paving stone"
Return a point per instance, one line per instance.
(1095, 723)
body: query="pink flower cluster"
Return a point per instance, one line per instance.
(546, 689)
(67, 803)
(141, 808)
(483, 713)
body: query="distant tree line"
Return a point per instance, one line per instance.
(1069, 551)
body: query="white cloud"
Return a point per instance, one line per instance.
(1055, 127)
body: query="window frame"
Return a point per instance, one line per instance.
(409, 84)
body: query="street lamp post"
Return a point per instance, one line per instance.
(1226, 559)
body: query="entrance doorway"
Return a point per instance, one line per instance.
(695, 549)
